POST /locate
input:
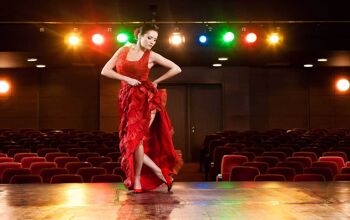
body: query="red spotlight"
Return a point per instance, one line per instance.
(251, 38)
(98, 39)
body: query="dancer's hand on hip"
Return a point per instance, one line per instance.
(133, 82)
(155, 84)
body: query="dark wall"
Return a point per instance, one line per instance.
(253, 98)
(19, 108)
(51, 98)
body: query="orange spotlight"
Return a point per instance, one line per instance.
(73, 39)
(98, 39)
(251, 38)
(4, 87)
(343, 85)
(274, 38)
(176, 38)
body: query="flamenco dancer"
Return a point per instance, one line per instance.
(145, 129)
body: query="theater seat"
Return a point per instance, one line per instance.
(243, 173)
(25, 179)
(270, 177)
(66, 178)
(308, 177)
(106, 178)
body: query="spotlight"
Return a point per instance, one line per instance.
(73, 39)
(122, 37)
(228, 37)
(176, 39)
(41, 66)
(251, 38)
(4, 86)
(274, 38)
(98, 39)
(343, 85)
(322, 60)
(202, 39)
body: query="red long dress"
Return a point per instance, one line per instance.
(135, 106)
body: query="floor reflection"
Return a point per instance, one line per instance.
(150, 205)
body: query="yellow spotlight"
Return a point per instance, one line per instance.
(274, 38)
(4, 86)
(73, 39)
(343, 85)
(176, 38)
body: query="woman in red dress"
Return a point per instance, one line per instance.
(145, 129)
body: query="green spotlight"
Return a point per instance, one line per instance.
(122, 37)
(228, 37)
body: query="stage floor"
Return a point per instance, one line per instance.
(189, 200)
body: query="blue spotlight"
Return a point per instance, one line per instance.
(202, 39)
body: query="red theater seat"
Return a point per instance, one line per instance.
(243, 173)
(88, 172)
(306, 161)
(115, 156)
(230, 161)
(107, 178)
(342, 177)
(270, 177)
(43, 151)
(110, 166)
(311, 155)
(7, 165)
(84, 156)
(336, 153)
(10, 172)
(6, 159)
(96, 161)
(73, 167)
(338, 160)
(272, 161)
(25, 179)
(18, 157)
(12, 152)
(66, 178)
(47, 173)
(280, 155)
(36, 167)
(324, 171)
(297, 166)
(27, 161)
(50, 157)
(287, 172)
(74, 151)
(262, 166)
(308, 177)
(330, 164)
(119, 171)
(62, 161)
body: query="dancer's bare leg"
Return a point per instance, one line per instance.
(147, 160)
(138, 161)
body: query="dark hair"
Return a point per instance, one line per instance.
(145, 28)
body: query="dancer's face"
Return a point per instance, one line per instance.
(148, 40)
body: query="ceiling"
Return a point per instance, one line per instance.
(312, 29)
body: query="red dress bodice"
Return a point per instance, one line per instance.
(134, 69)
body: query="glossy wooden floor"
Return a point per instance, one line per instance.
(194, 200)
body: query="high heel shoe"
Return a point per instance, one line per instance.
(169, 181)
(137, 190)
